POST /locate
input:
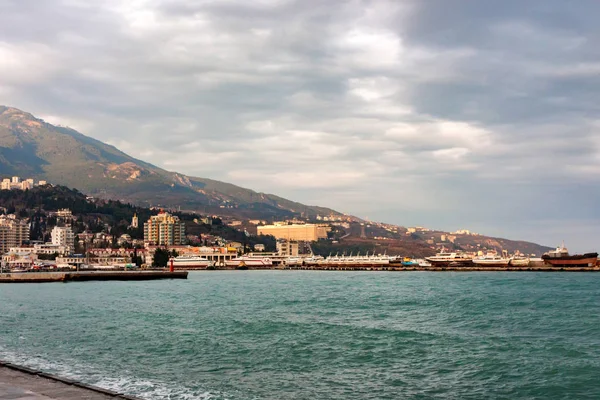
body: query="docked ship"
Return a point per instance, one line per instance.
(409, 262)
(313, 260)
(561, 258)
(491, 260)
(249, 261)
(191, 262)
(519, 261)
(454, 259)
(355, 260)
(293, 261)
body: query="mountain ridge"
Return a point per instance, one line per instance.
(31, 147)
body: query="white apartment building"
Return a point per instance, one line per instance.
(46, 248)
(16, 183)
(63, 236)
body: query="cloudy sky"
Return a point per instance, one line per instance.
(444, 113)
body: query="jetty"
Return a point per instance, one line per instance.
(543, 268)
(81, 276)
(22, 383)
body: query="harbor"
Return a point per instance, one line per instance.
(552, 261)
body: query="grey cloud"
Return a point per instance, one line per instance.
(416, 112)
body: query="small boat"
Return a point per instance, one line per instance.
(409, 262)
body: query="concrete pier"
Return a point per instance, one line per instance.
(39, 277)
(21, 383)
(439, 269)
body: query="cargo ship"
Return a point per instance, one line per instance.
(561, 258)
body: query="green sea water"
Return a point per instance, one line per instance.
(316, 335)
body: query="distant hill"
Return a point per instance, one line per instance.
(30, 147)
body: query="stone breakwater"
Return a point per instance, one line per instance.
(40, 277)
(349, 267)
(454, 269)
(18, 382)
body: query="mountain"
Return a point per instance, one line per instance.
(32, 148)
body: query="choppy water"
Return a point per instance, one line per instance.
(316, 335)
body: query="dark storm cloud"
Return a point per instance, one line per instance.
(449, 112)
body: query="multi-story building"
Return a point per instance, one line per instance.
(287, 248)
(296, 232)
(40, 248)
(65, 214)
(63, 236)
(13, 232)
(16, 183)
(164, 229)
(134, 221)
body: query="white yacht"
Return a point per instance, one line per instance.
(293, 261)
(519, 261)
(449, 258)
(313, 260)
(250, 261)
(355, 260)
(191, 262)
(491, 260)
(422, 262)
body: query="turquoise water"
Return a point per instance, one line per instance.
(316, 335)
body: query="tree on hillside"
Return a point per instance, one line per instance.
(161, 258)
(48, 256)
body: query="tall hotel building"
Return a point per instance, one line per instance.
(164, 229)
(13, 232)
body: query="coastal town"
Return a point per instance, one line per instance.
(46, 239)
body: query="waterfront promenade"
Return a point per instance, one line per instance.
(26, 384)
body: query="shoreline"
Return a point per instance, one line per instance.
(29, 383)
(53, 277)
